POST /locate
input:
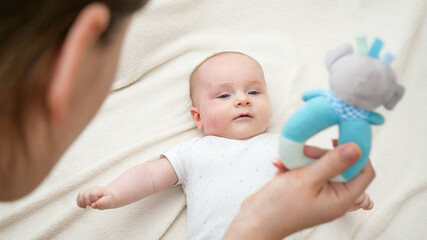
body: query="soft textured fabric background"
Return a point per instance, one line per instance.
(147, 113)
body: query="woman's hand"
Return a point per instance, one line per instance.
(302, 198)
(364, 201)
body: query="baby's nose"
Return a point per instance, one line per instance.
(242, 100)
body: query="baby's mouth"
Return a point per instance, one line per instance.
(243, 116)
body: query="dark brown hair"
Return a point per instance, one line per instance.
(31, 33)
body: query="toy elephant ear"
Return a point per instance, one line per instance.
(395, 98)
(336, 54)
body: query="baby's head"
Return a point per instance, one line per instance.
(229, 96)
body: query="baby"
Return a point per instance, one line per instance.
(217, 172)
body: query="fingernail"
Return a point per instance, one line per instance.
(349, 152)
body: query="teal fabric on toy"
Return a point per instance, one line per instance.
(359, 84)
(319, 113)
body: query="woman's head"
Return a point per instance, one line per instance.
(57, 64)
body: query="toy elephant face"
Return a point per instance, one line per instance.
(362, 81)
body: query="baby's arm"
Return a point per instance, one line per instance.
(134, 184)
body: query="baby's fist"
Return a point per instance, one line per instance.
(96, 197)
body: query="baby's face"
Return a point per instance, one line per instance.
(230, 97)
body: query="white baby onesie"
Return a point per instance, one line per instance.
(217, 174)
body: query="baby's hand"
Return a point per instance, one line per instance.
(364, 202)
(97, 198)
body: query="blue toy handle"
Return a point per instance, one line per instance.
(313, 117)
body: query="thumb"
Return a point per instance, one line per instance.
(104, 202)
(333, 163)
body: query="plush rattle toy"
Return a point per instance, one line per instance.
(359, 82)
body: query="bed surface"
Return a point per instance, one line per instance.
(147, 113)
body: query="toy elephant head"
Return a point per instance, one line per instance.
(363, 80)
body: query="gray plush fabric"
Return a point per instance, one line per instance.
(362, 81)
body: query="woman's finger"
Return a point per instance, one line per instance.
(358, 184)
(334, 163)
(279, 165)
(334, 143)
(314, 152)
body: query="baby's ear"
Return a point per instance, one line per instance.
(196, 117)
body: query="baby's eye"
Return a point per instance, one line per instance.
(253, 92)
(224, 96)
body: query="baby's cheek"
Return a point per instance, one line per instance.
(216, 124)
